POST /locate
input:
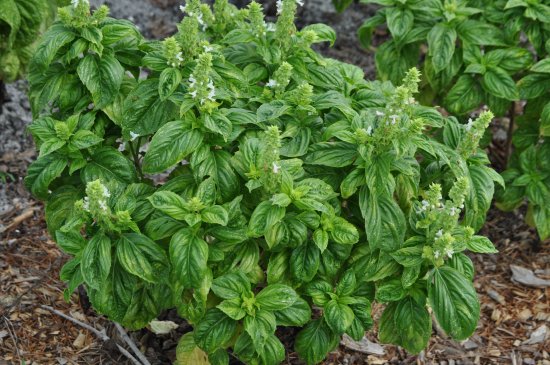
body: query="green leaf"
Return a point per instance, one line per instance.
(409, 256)
(218, 123)
(169, 203)
(42, 172)
(260, 326)
(169, 80)
(454, 301)
(543, 66)
(111, 167)
(463, 264)
(214, 330)
(414, 325)
(231, 286)
(441, 45)
(173, 141)
(143, 110)
(323, 32)
(71, 242)
(497, 82)
(480, 33)
(297, 315)
(344, 232)
(533, 85)
(541, 216)
(314, 341)
(141, 256)
(480, 244)
(305, 261)
(188, 255)
(320, 237)
(215, 214)
(84, 139)
(338, 316)
(276, 297)
(96, 261)
(400, 21)
(102, 77)
(390, 291)
(188, 353)
(392, 62)
(264, 217)
(233, 308)
(53, 40)
(332, 154)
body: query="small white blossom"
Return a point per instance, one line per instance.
(379, 113)
(133, 136)
(461, 206)
(208, 48)
(449, 252)
(183, 8)
(393, 118)
(270, 27)
(452, 212)
(425, 205)
(300, 2)
(86, 204)
(279, 7)
(179, 56)
(272, 83)
(469, 125)
(411, 101)
(439, 233)
(211, 94)
(276, 168)
(193, 94)
(436, 254)
(75, 3)
(103, 205)
(192, 80)
(106, 192)
(369, 130)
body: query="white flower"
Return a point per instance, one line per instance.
(300, 2)
(379, 113)
(103, 205)
(369, 130)
(436, 254)
(439, 233)
(411, 101)
(449, 252)
(193, 94)
(106, 192)
(276, 168)
(461, 206)
(211, 94)
(270, 27)
(469, 125)
(393, 118)
(133, 136)
(75, 3)
(208, 48)
(86, 204)
(279, 7)
(452, 212)
(271, 83)
(179, 56)
(425, 204)
(183, 8)
(210, 85)
(192, 80)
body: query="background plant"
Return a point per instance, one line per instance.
(491, 53)
(233, 173)
(21, 23)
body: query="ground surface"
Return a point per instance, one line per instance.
(512, 316)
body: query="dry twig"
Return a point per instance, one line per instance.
(102, 335)
(18, 220)
(132, 345)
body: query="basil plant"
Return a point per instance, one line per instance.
(21, 23)
(475, 53)
(234, 174)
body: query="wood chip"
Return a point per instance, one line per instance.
(525, 276)
(80, 340)
(364, 346)
(538, 335)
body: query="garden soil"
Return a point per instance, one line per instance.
(515, 318)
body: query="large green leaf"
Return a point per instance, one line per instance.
(43, 172)
(441, 45)
(96, 261)
(414, 325)
(188, 255)
(173, 141)
(141, 256)
(102, 77)
(314, 341)
(466, 95)
(400, 21)
(54, 39)
(276, 297)
(338, 316)
(454, 301)
(497, 82)
(214, 330)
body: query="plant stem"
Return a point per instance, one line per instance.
(510, 134)
(135, 155)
